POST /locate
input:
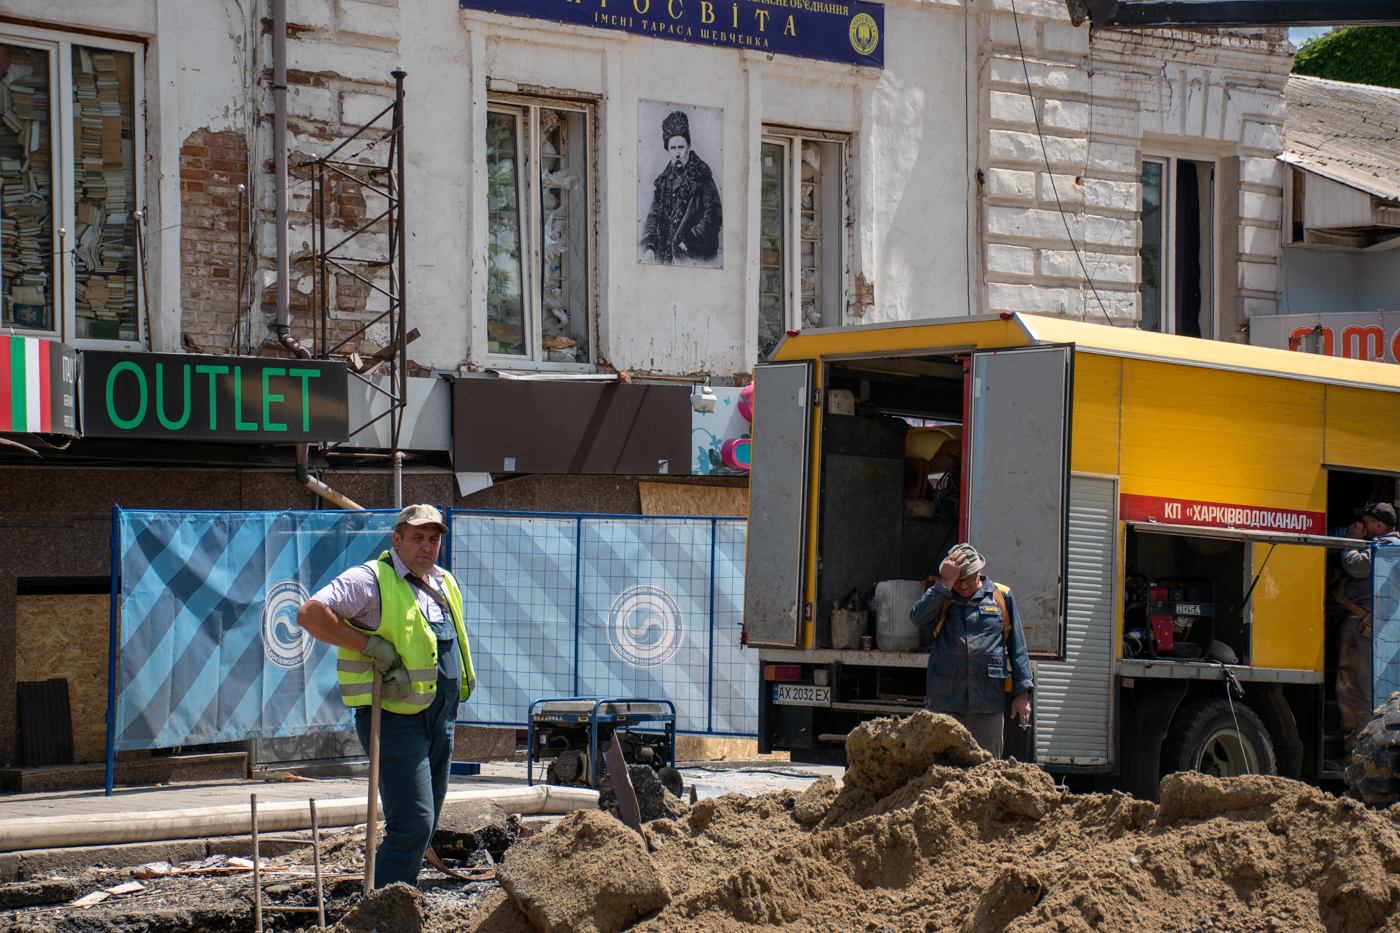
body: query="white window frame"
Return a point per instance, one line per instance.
(531, 235)
(791, 140)
(60, 48)
(1170, 160)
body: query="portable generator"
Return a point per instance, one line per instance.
(571, 733)
(1160, 617)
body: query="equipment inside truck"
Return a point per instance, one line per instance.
(1183, 597)
(892, 456)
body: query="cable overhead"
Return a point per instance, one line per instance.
(1050, 173)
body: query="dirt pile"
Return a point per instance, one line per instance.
(590, 874)
(928, 835)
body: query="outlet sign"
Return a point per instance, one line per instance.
(258, 400)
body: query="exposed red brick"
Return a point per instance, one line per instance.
(211, 166)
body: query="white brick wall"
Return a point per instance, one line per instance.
(341, 54)
(1188, 93)
(375, 20)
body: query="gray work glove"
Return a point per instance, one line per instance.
(384, 655)
(395, 685)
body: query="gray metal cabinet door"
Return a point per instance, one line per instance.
(1073, 705)
(1018, 470)
(782, 415)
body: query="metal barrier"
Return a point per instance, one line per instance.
(603, 605)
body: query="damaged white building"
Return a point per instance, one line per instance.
(932, 159)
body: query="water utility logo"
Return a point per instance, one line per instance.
(645, 626)
(285, 643)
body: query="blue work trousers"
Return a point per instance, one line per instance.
(415, 758)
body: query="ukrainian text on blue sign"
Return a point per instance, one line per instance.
(851, 32)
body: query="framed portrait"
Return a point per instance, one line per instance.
(680, 185)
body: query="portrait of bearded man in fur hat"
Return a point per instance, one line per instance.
(684, 222)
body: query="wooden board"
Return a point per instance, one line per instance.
(685, 499)
(719, 748)
(66, 636)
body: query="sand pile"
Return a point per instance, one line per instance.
(927, 834)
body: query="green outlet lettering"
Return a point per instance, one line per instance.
(160, 399)
(212, 371)
(268, 398)
(238, 423)
(306, 375)
(125, 366)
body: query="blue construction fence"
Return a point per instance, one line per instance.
(602, 605)
(205, 642)
(1385, 621)
(206, 649)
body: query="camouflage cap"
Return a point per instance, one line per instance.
(974, 561)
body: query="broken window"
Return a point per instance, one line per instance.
(802, 221)
(1178, 246)
(68, 231)
(539, 292)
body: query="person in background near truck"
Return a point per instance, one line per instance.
(401, 614)
(976, 647)
(1376, 525)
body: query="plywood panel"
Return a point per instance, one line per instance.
(1288, 608)
(1098, 394)
(1222, 436)
(678, 499)
(66, 636)
(1361, 429)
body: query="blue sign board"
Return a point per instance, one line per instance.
(852, 33)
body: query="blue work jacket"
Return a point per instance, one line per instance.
(968, 662)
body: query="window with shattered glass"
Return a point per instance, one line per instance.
(540, 282)
(803, 249)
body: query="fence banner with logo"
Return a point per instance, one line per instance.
(209, 648)
(619, 606)
(1385, 622)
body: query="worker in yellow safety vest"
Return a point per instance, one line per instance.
(401, 614)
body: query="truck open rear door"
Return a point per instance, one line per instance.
(1017, 480)
(782, 420)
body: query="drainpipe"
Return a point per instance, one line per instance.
(279, 159)
(284, 265)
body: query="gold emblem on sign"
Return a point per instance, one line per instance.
(865, 35)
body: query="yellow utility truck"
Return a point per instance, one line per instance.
(1166, 510)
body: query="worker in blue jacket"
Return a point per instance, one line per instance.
(977, 651)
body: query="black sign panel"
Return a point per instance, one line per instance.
(518, 426)
(257, 400)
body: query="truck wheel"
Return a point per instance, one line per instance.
(1373, 777)
(671, 779)
(1204, 737)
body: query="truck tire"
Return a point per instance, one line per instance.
(1203, 737)
(1373, 777)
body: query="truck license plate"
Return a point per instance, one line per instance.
(801, 695)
